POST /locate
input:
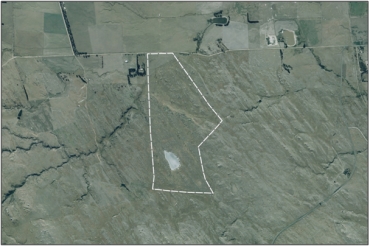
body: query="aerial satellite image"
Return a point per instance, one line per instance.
(184, 122)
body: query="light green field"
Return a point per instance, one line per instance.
(53, 23)
(358, 8)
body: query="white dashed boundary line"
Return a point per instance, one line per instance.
(150, 128)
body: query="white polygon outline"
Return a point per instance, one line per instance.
(150, 128)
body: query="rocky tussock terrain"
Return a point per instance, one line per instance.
(288, 164)
(77, 167)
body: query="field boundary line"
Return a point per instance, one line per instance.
(150, 128)
(353, 127)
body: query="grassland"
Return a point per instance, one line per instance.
(288, 164)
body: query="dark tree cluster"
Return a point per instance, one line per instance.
(75, 51)
(281, 55)
(218, 14)
(138, 71)
(63, 77)
(347, 172)
(81, 78)
(221, 45)
(363, 67)
(287, 67)
(25, 92)
(19, 115)
(250, 21)
(280, 38)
